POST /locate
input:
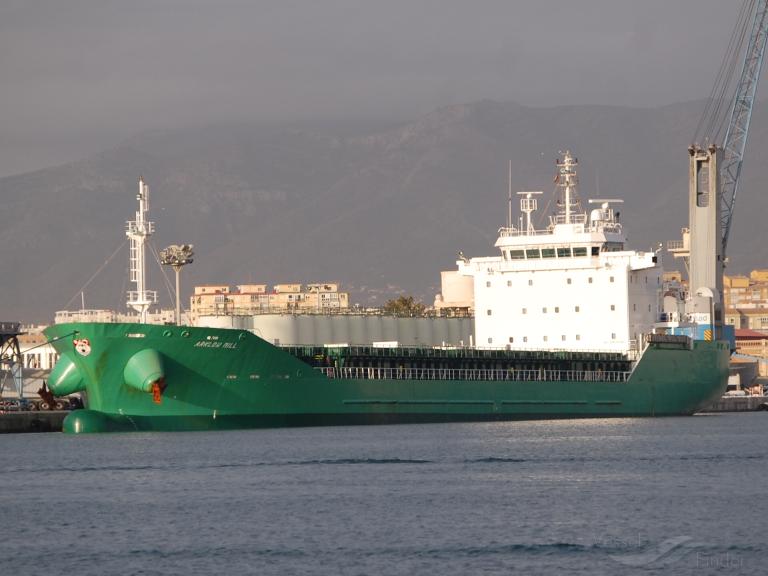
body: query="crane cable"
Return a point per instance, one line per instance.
(713, 119)
(739, 56)
(166, 280)
(92, 278)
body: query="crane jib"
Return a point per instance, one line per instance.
(741, 114)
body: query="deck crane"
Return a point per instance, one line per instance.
(741, 113)
(714, 171)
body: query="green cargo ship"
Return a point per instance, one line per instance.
(148, 377)
(569, 320)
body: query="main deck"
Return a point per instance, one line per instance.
(471, 364)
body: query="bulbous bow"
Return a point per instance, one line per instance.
(65, 377)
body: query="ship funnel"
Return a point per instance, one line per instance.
(65, 378)
(144, 369)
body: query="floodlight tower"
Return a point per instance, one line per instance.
(177, 256)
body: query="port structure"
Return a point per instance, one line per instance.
(740, 118)
(10, 356)
(138, 231)
(705, 261)
(176, 256)
(714, 171)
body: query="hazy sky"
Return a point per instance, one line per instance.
(79, 76)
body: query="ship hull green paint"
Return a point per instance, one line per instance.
(230, 379)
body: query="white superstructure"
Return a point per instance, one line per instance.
(571, 286)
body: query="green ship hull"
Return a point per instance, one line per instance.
(148, 377)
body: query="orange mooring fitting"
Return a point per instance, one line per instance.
(157, 391)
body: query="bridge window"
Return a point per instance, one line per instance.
(547, 252)
(532, 253)
(516, 254)
(563, 252)
(582, 251)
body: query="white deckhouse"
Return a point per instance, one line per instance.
(572, 286)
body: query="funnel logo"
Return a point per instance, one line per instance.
(83, 346)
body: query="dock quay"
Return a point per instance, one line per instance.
(739, 404)
(32, 421)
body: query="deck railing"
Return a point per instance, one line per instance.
(503, 354)
(229, 309)
(512, 375)
(675, 245)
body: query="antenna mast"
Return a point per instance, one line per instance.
(528, 205)
(568, 180)
(138, 231)
(509, 202)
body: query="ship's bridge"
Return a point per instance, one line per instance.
(571, 231)
(566, 236)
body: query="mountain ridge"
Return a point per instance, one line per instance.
(380, 210)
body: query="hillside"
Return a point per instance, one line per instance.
(381, 212)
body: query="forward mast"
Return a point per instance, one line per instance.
(138, 231)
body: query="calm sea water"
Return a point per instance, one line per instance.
(675, 495)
